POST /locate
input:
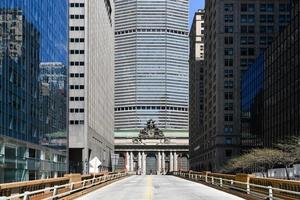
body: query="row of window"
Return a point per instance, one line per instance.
(269, 7)
(76, 98)
(151, 30)
(76, 122)
(76, 87)
(76, 63)
(77, 5)
(76, 51)
(77, 40)
(250, 29)
(151, 108)
(77, 28)
(249, 40)
(76, 16)
(76, 75)
(76, 110)
(244, 52)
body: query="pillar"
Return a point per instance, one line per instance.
(171, 161)
(131, 161)
(163, 163)
(139, 162)
(127, 164)
(158, 163)
(175, 161)
(144, 163)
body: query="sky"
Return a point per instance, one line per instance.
(194, 6)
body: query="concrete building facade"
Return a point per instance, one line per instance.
(196, 87)
(151, 64)
(236, 32)
(91, 83)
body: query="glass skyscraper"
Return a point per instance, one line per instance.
(31, 32)
(151, 64)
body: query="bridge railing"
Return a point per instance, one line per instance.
(75, 184)
(264, 188)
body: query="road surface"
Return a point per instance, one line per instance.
(157, 188)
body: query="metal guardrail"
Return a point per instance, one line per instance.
(259, 191)
(66, 189)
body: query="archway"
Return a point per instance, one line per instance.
(151, 164)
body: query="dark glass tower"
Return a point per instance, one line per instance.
(31, 32)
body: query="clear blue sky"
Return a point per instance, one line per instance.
(194, 6)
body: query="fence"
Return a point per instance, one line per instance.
(262, 188)
(55, 188)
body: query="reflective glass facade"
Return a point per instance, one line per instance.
(151, 63)
(31, 32)
(252, 105)
(271, 91)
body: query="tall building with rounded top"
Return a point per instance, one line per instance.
(151, 64)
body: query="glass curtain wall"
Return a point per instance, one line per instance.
(32, 32)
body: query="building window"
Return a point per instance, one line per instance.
(228, 129)
(228, 140)
(228, 62)
(228, 73)
(228, 18)
(228, 106)
(228, 7)
(76, 40)
(228, 117)
(228, 95)
(228, 29)
(76, 122)
(76, 16)
(228, 152)
(76, 75)
(228, 40)
(228, 84)
(76, 87)
(77, 5)
(77, 28)
(76, 110)
(76, 63)
(76, 51)
(228, 51)
(76, 98)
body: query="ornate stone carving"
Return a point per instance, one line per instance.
(151, 131)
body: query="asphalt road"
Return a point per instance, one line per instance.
(157, 188)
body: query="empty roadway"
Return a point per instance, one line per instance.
(157, 188)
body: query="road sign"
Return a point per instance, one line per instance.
(94, 165)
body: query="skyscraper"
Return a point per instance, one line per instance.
(27, 38)
(151, 63)
(270, 92)
(236, 32)
(91, 83)
(196, 87)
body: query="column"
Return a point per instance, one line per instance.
(171, 161)
(163, 163)
(139, 163)
(158, 163)
(175, 161)
(127, 164)
(145, 156)
(131, 161)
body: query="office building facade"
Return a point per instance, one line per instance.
(196, 87)
(236, 33)
(151, 62)
(27, 38)
(278, 98)
(91, 83)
